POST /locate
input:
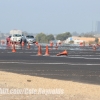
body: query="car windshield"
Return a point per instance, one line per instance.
(17, 35)
(29, 36)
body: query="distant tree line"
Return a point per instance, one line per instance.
(41, 37)
(44, 38)
(63, 36)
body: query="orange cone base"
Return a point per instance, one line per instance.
(63, 53)
(22, 45)
(39, 54)
(47, 55)
(13, 50)
(28, 47)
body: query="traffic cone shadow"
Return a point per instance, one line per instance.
(47, 51)
(63, 53)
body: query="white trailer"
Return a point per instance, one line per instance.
(15, 32)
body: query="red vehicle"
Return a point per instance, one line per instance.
(8, 39)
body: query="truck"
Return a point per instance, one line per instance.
(17, 36)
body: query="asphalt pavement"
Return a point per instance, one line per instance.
(80, 65)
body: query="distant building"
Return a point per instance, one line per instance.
(74, 39)
(69, 39)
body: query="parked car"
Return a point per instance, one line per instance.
(30, 39)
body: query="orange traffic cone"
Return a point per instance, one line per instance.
(94, 47)
(28, 47)
(22, 43)
(90, 45)
(51, 45)
(97, 45)
(13, 49)
(36, 43)
(56, 46)
(47, 51)
(39, 50)
(8, 44)
(63, 53)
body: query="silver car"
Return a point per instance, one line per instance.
(30, 39)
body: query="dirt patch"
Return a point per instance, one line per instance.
(72, 90)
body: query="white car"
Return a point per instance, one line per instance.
(17, 38)
(30, 39)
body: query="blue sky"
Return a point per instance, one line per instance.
(49, 16)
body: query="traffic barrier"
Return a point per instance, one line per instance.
(62, 53)
(47, 51)
(13, 48)
(39, 50)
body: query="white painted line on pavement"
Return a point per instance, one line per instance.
(57, 56)
(67, 56)
(84, 55)
(91, 58)
(46, 63)
(75, 57)
(28, 52)
(20, 52)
